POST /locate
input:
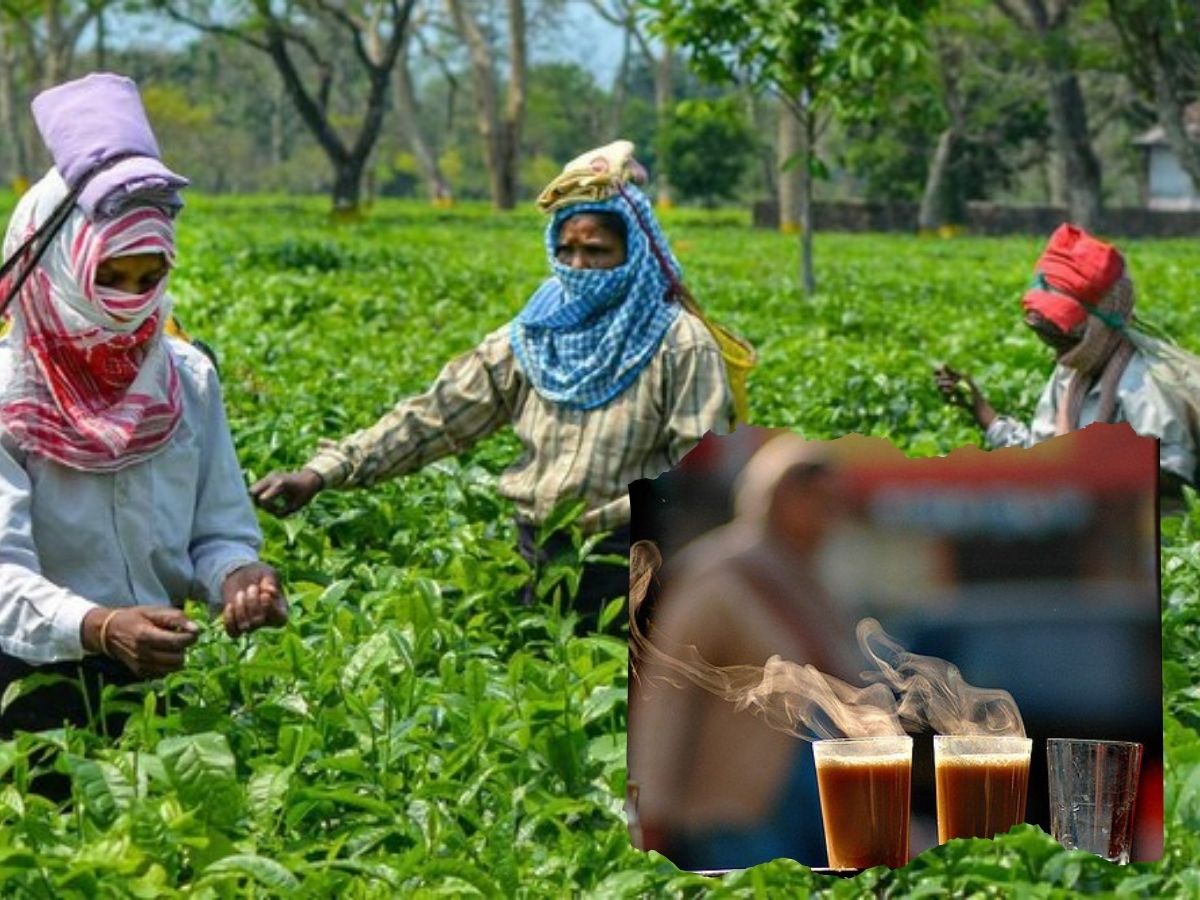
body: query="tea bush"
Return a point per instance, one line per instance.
(416, 732)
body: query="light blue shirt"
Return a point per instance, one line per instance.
(1141, 402)
(155, 533)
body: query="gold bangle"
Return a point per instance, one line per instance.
(104, 632)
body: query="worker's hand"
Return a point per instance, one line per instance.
(959, 389)
(252, 599)
(282, 493)
(149, 640)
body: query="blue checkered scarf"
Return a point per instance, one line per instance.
(585, 334)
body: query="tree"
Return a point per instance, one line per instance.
(818, 56)
(19, 167)
(408, 111)
(290, 38)
(49, 32)
(630, 16)
(707, 146)
(1047, 22)
(566, 112)
(499, 123)
(966, 125)
(1162, 54)
(38, 42)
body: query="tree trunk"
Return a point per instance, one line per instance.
(408, 113)
(1163, 54)
(101, 42)
(1046, 22)
(53, 72)
(664, 108)
(19, 169)
(789, 143)
(508, 187)
(764, 151)
(347, 188)
(1056, 177)
(1069, 127)
(347, 166)
(494, 131)
(808, 278)
(278, 125)
(936, 203)
(942, 202)
(514, 107)
(62, 35)
(620, 88)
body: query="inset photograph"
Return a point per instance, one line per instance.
(846, 656)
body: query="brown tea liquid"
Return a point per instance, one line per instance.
(865, 806)
(980, 795)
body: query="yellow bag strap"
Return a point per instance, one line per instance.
(737, 353)
(174, 328)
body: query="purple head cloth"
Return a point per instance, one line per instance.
(90, 122)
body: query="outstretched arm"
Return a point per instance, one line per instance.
(473, 396)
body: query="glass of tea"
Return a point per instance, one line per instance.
(865, 786)
(982, 782)
(1093, 791)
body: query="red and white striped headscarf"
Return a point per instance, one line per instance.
(91, 384)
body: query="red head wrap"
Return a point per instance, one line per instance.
(1074, 272)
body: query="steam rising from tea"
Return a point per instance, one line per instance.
(932, 693)
(906, 689)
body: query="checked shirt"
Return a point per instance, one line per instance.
(594, 454)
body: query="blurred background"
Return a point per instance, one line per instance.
(962, 114)
(1032, 571)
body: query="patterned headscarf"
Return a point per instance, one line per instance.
(89, 382)
(586, 334)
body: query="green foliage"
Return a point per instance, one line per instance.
(837, 52)
(980, 79)
(566, 113)
(817, 55)
(706, 145)
(415, 730)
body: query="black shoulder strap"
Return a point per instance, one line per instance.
(35, 246)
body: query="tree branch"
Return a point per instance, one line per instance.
(1014, 14)
(619, 15)
(347, 21)
(211, 27)
(380, 76)
(312, 112)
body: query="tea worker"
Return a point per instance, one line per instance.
(603, 375)
(1108, 368)
(717, 787)
(120, 494)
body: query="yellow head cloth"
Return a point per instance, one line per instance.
(593, 176)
